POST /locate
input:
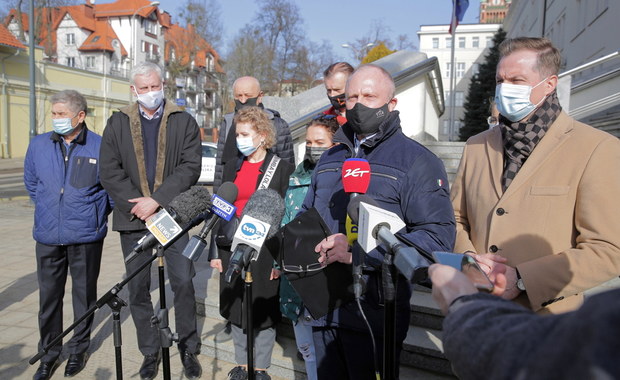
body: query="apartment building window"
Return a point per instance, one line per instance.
(448, 67)
(458, 98)
(461, 42)
(90, 62)
(435, 43)
(448, 42)
(146, 47)
(475, 42)
(475, 68)
(489, 41)
(446, 127)
(447, 98)
(150, 27)
(71, 61)
(70, 39)
(460, 69)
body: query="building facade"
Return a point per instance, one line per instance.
(493, 11)
(472, 41)
(109, 38)
(586, 33)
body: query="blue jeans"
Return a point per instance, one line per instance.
(305, 345)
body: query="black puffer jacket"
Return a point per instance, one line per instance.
(282, 149)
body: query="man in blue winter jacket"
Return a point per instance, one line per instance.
(406, 179)
(61, 174)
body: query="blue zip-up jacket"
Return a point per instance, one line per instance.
(406, 179)
(71, 206)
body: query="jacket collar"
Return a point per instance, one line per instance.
(80, 139)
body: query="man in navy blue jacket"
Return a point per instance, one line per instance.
(407, 179)
(61, 174)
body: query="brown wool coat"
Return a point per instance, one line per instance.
(558, 222)
(122, 165)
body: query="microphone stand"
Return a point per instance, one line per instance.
(389, 315)
(166, 337)
(249, 320)
(115, 303)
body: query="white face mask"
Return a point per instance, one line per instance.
(513, 100)
(151, 100)
(246, 145)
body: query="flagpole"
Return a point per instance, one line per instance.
(452, 72)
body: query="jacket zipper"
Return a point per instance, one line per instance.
(328, 170)
(384, 175)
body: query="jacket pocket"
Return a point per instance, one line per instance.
(83, 172)
(549, 190)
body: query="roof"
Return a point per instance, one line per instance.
(180, 38)
(124, 8)
(8, 39)
(102, 39)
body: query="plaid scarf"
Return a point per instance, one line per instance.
(520, 139)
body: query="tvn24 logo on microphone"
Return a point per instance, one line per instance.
(252, 232)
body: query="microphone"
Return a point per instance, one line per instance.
(355, 181)
(163, 227)
(222, 206)
(377, 225)
(260, 221)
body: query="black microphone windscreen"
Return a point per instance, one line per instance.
(190, 203)
(353, 209)
(267, 206)
(228, 191)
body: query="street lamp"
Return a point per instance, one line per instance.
(134, 34)
(358, 53)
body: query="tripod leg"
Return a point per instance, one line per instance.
(249, 326)
(118, 342)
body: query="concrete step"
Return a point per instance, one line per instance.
(424, 310)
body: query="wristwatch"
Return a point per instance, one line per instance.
(520, 283)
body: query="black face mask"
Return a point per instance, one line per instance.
(249, 102)
(364, 120)
(337, 101)
(314, 153)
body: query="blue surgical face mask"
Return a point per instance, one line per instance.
(246, 145)
(63, 126)
(513, 100)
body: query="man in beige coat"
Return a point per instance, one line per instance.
(538, 196)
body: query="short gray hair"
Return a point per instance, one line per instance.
(72, 99)
(145, 68)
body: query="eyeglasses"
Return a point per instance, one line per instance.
(300, 268)
(323, 117)
(492, 120)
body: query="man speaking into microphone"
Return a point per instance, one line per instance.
(406, 179)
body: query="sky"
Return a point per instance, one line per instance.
(341, 21)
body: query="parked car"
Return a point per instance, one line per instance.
(207, 170)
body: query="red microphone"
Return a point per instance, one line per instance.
(355, 180)
(355, 176)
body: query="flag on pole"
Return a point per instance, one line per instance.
(460, 6)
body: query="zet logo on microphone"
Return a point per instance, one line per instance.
(357, 172)
(253, 231)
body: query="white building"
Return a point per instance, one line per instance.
(472, 41)
(587, 34)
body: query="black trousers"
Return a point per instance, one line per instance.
(83, 261)
(180, 271)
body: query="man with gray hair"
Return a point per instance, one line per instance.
(70, 222)
(151, 153)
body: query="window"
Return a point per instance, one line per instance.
(460, 69)
(448, 67)
(458, 98)
(475, 42)
(448, 42)
(446, 127)
(70, 39)
(435, 43)
(90, 62)
(71, 61)
(155, 49)
(489, 41)
(475, 68)
(146, 47)
(150, 27)
(447, 98)
(461, 42)
(96, 39)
